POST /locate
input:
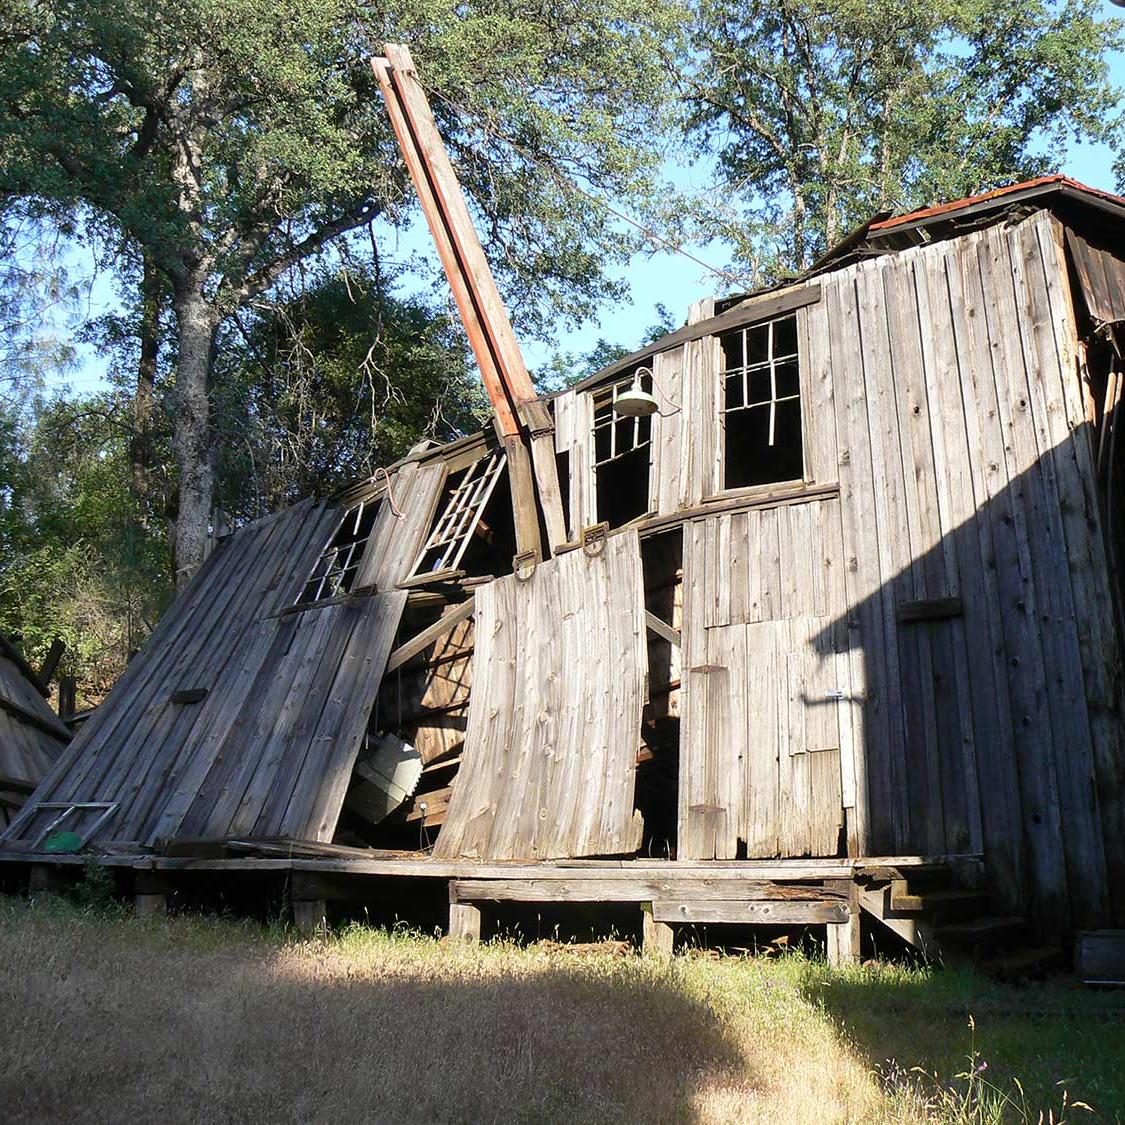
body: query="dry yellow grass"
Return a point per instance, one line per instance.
(108, 1019)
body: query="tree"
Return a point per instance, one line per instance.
(231, 139)
(77, 559)
(821, 112)
(323, 387)
(37, 302)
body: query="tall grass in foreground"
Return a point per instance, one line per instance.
(104, 1018)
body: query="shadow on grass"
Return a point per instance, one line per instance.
(1035, 1035)
(119, 1022)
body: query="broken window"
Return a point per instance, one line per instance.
(336, 569)
(621, 455)
(468, 495)
(761, 412)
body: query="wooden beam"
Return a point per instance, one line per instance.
(32, 719)
(778, 869)
(931, 609)
(427, 636)
(486, 319)
(662, 629)
(51, 663)
(914, 930)
(755, 913)
(764, 307)
(760, 498)
(17, 658)
(640, 888)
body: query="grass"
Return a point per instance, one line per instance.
(106, 1018)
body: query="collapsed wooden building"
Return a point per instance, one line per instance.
(828, 629)
(32, 736)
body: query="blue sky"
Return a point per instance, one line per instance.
(663, 277)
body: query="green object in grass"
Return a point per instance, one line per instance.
(63, 842)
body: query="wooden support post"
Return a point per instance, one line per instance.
(657, 938)
(68, 696)
(150, 906)
(150, 894)
(310, 916)
(464, 922)
(520, 419)
(843, 941)
(421, 641)
(42, 879)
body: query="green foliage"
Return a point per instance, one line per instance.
(37, 306)
(824, 111)
(233, 137)
(79, 560)
(328, 385)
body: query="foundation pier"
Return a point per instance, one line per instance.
(657, 938)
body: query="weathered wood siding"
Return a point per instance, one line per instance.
(270, 748)
(965, 470)
(976, 644)
(766, 746)
(31, 737)
(686, 452)
(550, 752)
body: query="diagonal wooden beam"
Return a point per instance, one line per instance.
(427, 636)
(486, 319)
(662, 629)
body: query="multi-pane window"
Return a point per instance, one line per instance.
(761, 412)
(336, 569)
(617, 434)
(621, 455)
(467, 498)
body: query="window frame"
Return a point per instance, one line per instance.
(353, 563)
(464, 506)
(605, 397)
(746, 369)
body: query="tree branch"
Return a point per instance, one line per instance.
(263, 278)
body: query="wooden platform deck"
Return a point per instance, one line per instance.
(781, 892)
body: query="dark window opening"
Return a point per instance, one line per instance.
(492, 544)
(761, 411)
(658, 763)
(623, 488)
(562, 464)
(621, 456)
(336, 570)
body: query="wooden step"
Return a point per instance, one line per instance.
(989, 931)
(945, 902)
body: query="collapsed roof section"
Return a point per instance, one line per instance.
(31, 735)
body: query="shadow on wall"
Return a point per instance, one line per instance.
(992, 707)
